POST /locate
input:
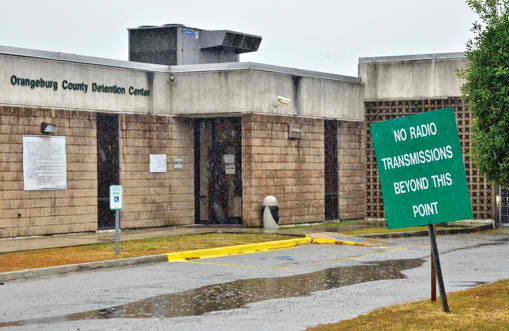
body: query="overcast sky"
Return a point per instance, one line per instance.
(317, 35)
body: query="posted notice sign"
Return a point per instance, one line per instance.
(421, 171)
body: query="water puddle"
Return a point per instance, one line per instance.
(239, 293)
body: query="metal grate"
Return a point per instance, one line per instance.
(504, 208)
(481, 192)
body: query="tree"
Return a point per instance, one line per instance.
(486, 88)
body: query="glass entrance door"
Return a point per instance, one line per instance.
(218, 171)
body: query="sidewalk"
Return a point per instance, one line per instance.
(323, 235)
(67, 240)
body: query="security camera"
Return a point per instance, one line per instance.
(284, 100)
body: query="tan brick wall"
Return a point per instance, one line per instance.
(289, 169)
(352, 170)
(156, 199)
(27, 213)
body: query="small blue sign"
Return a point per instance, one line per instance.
(116, 195)
(188, 32)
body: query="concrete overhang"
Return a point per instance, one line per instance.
(248, 87)
(416, 57)
(189, 90)
(407, 77)
(233, 66)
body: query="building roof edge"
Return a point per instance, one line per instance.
(416, 57)
(68, 57)
(232, 66)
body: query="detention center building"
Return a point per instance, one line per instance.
(221, 136)
(196, 137)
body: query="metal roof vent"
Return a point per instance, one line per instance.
(177, 44)
(235, 41)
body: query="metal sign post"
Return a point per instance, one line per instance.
(436, 262)
(116, 197)
(421, 172)
(433, 273)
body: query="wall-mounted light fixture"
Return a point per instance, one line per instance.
(48, 128)
(294, 131)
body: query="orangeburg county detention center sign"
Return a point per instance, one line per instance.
(421, 171)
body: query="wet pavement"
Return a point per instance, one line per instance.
(279, 290)
(239, 293)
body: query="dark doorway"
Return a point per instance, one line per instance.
(331, 170)
(107, 167)
(218, 171)
(504, 208)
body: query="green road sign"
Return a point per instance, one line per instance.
(420, 166)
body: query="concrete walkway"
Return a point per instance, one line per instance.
(67, 240)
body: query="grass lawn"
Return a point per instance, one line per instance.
(99, 252)
(482, 308)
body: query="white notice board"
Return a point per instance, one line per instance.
(229, 158)
(230, 169)
(158, 163)
(44, 163)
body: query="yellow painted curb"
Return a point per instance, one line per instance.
(324, 241)
(318, 240)
(235, 250)
(352, 243)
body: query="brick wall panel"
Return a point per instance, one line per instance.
(46, 212)
(162, 199)
(291, 170)
(156, 199)
(351, 167)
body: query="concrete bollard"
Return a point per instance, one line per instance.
(270, 214)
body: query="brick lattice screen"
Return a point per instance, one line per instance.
(481, 192)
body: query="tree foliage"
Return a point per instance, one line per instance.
(487, 88)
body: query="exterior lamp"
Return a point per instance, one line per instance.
(48, 128)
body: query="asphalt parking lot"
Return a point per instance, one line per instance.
(288, 289)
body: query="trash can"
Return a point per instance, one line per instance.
(270, 214)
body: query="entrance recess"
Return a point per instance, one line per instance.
(218, 171)
(107, 167)
(331, 170)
